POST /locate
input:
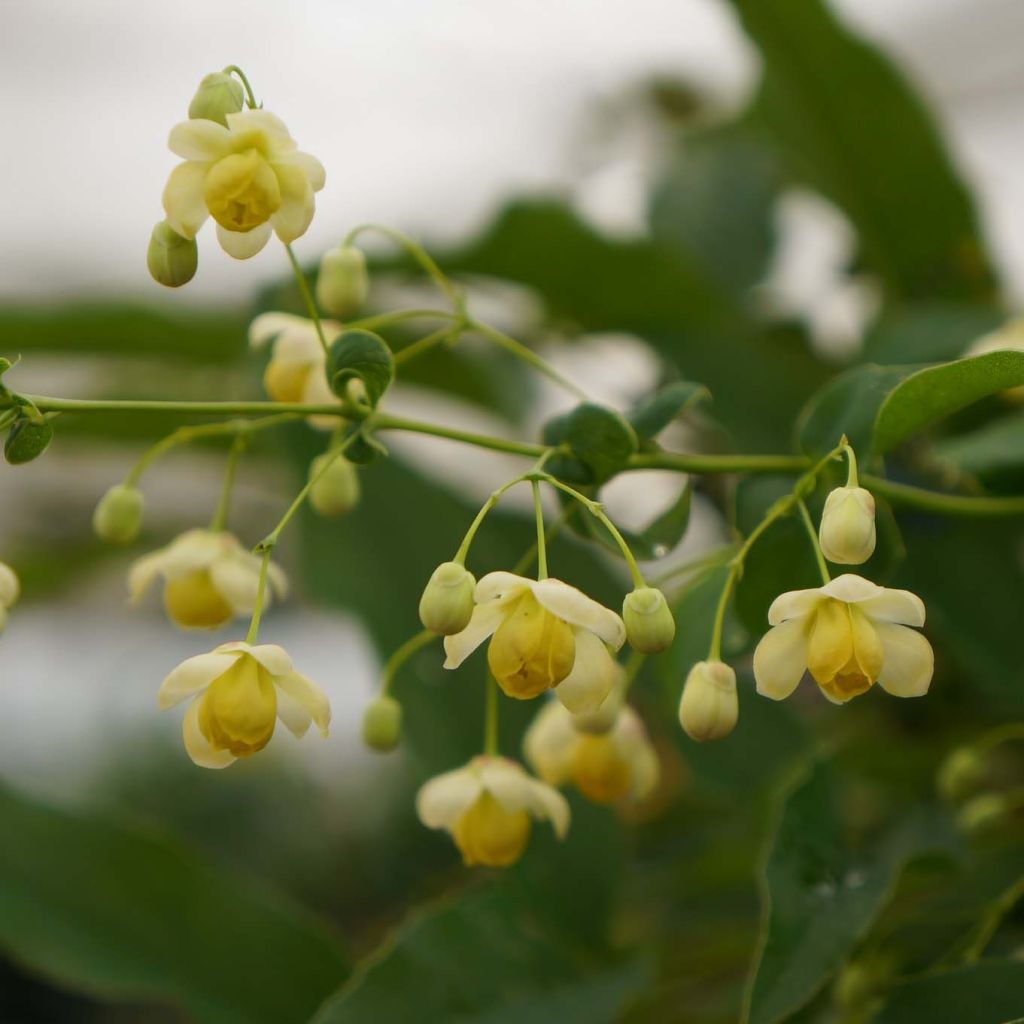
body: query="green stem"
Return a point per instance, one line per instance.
(234, 69)
(719, 463)
(424, 344)
(491, 718)
(86, 405)
(495, 497)
(370, 323)
(542, 548)
(497, 444)
(805, 517)
(261, 590)
(851, 472)
(220, 516)
(307, 298)
(552, 531)
(401, 656)
(943, 504)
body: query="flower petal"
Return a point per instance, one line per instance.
(300, 701)
(485, 620)
(270, 125)
(546, 802)
(780, 659)
(851, 588)
(548, 743)
(907, 661)
(243, 244)
(268, 326)
(500, 586)
(273, 658)
(183, 200)
(197, 745)
(310, 166)
(593, 675)
(573, 606)
(199, 139)
(830, 643)
(442, 800)
(142, 573)
(794, 604)
(895, 606)
(195, 550)
(192, 675)
(294, 214)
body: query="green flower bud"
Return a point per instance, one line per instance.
(650, 627)
(10, 588)
(336, 489)
(847, 531)
(983, 813)
(709, 707)
(218, 95)
(382, 724)
(27, 440)
(961, 773)
(447, 602)
(172, 259)
(342, 283)
(118, 515)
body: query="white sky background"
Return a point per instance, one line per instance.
(427, 115)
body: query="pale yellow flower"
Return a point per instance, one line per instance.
(607, 767)
(849, 634)
(209, 579)
(238, 692)
(297, 368)
(544, 634)
(487, 806)
(248, 175)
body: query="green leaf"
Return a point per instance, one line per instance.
(985, 992)
(482, 960)
(927, 332)
(934, 393)
(653, 414)
(850, 126)
(820, 897)
(360, 355)
(27, 440)
(994, 449)
(128, 915)
(601, 439)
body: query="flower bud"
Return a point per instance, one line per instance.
(650, 627)
(218, 95)
(172, 259)
(847, 532)
(961, 773)
(447, 602)
(335, 490)
(983, 813)
(709, 707)
(118, 515)
(382, 724)
(10, 589)
(342, 283)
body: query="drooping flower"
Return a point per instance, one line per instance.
(487, 806)
(849, 634)
(544, 634)
(847, 531)
(606, 767)
(10, 590)
(238, 692)
(297, 368)
(247, 174)
(209, 579)
(709, 707)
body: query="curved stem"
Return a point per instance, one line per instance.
(851, 472)
(805, 517)
(307, 298)
(220, 516)
(385, 422)
(685, 463)
(424, 344)
(234, 69)
(369, 323)
(542, 548)
(495, 497)
(401, 656)
(943, 504)
(85, 405)
(261, 591)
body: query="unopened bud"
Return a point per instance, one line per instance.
(335, 490)
(171, 258)
(961, 773)
(447, 602)
(218, 95)
(342, 283)
(118, 515)
(27, 440)
(382, 724)
(983, 813)
(10, 588)
(709, 706)
(650, 627)
(847, 533)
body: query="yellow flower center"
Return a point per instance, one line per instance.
(193, 602)
(238, 710)
(531, 650)
(285, 382)
(844, 654)
(242, 191)
(600, 772)
(488, 834)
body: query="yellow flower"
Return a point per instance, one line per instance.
(849, 634)
(297, 368)
(543, 634)
(248, 175)
(10, 589)
(605, 767)
(487, 807)
(847, 531)
(209, 578)
(239, 692)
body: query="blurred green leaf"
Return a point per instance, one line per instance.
(996, 450)
(849, 125)
(938, 391)
(653, 414)
(987, 992)
(927, 332)
(820, 896)
(126, 914)
(600, 438)
(482, 959)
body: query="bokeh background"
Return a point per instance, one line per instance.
(755, 197)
